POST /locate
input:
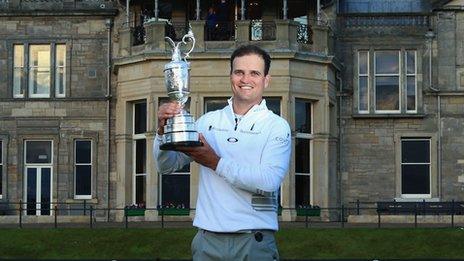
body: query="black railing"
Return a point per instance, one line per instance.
(139, 35)
(304, 34)
(262, 30)
(384, 21)
(308, 216)
(221, 31)
(56, 4)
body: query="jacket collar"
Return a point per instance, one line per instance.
(256, 109)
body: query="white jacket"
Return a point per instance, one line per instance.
(254, 158)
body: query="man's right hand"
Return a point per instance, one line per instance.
(166, 111)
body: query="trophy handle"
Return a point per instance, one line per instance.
(170, 41)
(188, 37)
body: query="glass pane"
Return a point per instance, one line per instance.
(45, 191)
(60, 81)
(140, 185)
(363, 93)
(18, 89)
(302, 116)
(415, 179)
(415, 151)
(1, 152)
(83, 179)
(386, 62)
(302, 190)
(140, 119)
(363, 65)
(387, 95)
(411, 62)
(39, 69)
(273, 104)
(38, 151)
(31, 191)
(411, 93)
(175, 191)
(140, 156)
(302, 152)
(213, 104)
(83, 151)
(60, 55)
(39, 81)
(18, 55)
(1, 178)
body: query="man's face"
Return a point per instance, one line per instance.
(248, 80)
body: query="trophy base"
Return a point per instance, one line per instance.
(176, 145)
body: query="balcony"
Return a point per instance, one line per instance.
(276, 34)
(10, 6)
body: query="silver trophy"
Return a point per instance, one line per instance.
(180, 130)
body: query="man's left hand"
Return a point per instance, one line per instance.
(204, 155)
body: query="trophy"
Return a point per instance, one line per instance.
(180, 130)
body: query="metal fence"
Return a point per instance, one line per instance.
(302, 217)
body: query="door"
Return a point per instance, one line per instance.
(38, 177)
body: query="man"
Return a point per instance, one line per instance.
(243, 161)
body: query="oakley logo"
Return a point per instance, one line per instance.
(232, 140)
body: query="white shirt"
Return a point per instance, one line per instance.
(254, 159)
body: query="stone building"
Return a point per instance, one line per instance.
(55, 108)
(373, 92)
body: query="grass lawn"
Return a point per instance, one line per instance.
(174, 243)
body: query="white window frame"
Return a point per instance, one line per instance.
(38, 166)
(415, 196)
(21, 69)
(310, 137)
(57, 68)
(26, 69)
(136, 137)
(406, 79)
(368, 82)
(387, 75)
(83, 164)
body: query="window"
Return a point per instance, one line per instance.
(393, 82)
(375, 6)
(1, 169)
(139, 152)
(415, 168)
(303, 148)
(45, 70)
(175, 187)
(83, 169)
(217, 103)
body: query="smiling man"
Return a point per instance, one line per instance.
(243, 161)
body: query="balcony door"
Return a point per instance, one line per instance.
(38, 177)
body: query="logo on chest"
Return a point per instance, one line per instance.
(232, 140)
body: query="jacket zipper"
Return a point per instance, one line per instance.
(236, 123)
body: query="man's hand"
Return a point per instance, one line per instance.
(166, 111)
(204, 155)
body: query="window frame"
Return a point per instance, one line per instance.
(359, 81)
(371, 81)
(310, 137)
(135, 138)
(374, 86)
(418, 163)
(432, 137)
(76, 196)
(25, 71)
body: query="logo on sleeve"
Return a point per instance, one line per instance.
(232, 140)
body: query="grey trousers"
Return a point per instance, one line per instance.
(257, 245)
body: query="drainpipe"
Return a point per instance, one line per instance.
(339, 147)
(109, 25)
(429, 38)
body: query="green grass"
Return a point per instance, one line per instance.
(174, 243)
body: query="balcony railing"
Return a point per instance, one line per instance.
(384, 21)
(47, 5)
(262, 30)
(222, 31)
(139, 35)
(176, 30)
(304, 34)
